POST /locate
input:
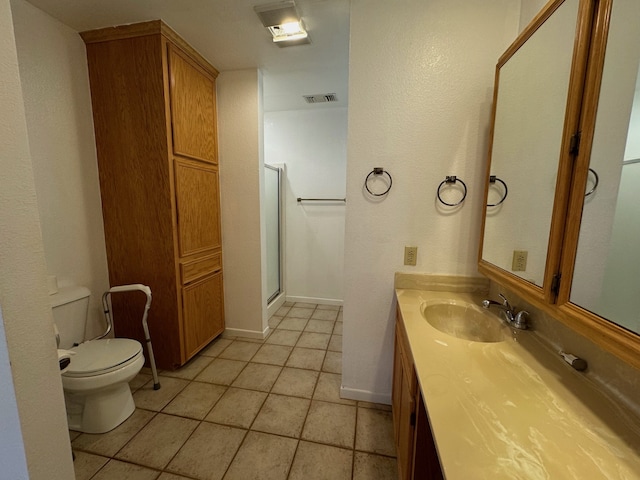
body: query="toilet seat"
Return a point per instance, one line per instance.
(98, 357)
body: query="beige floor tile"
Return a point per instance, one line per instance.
(292, 323)
(73, 435)
(337, 329)
(272, 354)
(257, 376)
(325, 315)
(139, 380)
(374, 432)
(296, 382)
(240, 350)
(109, 443)
(300, 312)
(121, 470)
(288, 304)
(171, 476)
(377, 406)
(331, 424)
(159, 441)
(148, 398)
(282, 311)
(262, 457)
(237, 407)
(216, 347)
(328, 389)
(340, 315)
(332, 363)
(319, 326)
(86, 465)
(196, 400)
(335, 345)
(328, 307)
(282, 415)
(321, 462)
(283, 337)
(274, 321)
(307, 358)
(305, 305)
(191, 369)
(221, 371)
(374, 467)
(208, 452)
(313, 340)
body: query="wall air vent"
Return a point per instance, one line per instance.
(321, 98)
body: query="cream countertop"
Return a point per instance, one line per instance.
(514, 409)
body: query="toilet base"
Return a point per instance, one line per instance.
(100, 411)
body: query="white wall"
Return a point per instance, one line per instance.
(528, 10)
(240, 126)
(419, 106)
(313, 145)
(55, 82)
(23, 292)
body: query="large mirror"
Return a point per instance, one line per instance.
(606, 277)
(532, 88)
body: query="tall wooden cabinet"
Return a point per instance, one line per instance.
(154, 111)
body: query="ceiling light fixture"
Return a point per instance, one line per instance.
(284, 23)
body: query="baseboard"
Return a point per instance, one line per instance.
(239, 332)
(276, 304)
(320, 301)
(365, 395)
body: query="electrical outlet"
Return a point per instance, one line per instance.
(519, 263)
(410, 255)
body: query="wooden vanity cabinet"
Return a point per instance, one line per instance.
(417, 456)
(154, 110)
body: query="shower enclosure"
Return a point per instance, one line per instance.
(273, 178)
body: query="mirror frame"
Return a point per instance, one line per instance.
(592, 31)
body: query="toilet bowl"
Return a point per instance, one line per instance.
(96, 383)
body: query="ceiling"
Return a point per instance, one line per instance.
(229, 34)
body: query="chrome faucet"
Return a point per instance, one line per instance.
(516, 320)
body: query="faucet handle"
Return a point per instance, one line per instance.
(506, 302)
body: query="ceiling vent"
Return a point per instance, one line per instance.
(321, 98)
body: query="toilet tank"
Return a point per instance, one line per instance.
(70, 306)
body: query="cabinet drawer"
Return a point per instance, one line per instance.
(196, 269)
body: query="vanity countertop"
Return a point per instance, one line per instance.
(514, 409)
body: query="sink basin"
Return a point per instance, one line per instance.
(466, 321)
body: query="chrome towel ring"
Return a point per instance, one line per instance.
(494, 179)
(378, 171)
(595, 184)
(452, 180)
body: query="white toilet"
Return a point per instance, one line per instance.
(96, 383)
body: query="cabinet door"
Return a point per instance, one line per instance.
(193, 108)
(203, 310)
(198, 207)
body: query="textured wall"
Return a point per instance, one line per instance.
(55, 83)
(23, 294)
(243, 244)
(313, 145)
(419, 106)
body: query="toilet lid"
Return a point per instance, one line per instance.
(99, 356)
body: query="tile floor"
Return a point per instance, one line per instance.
(249, 409)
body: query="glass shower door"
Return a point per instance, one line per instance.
(272, 179)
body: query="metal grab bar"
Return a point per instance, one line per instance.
(322, 200)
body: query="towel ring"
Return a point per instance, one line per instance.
(452, 179)
(378, 171)
(494, 179)
(595, 184)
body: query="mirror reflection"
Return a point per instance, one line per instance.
(530, 107)
(607, 271)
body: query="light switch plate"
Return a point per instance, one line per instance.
(410, 255)
(519, 263)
